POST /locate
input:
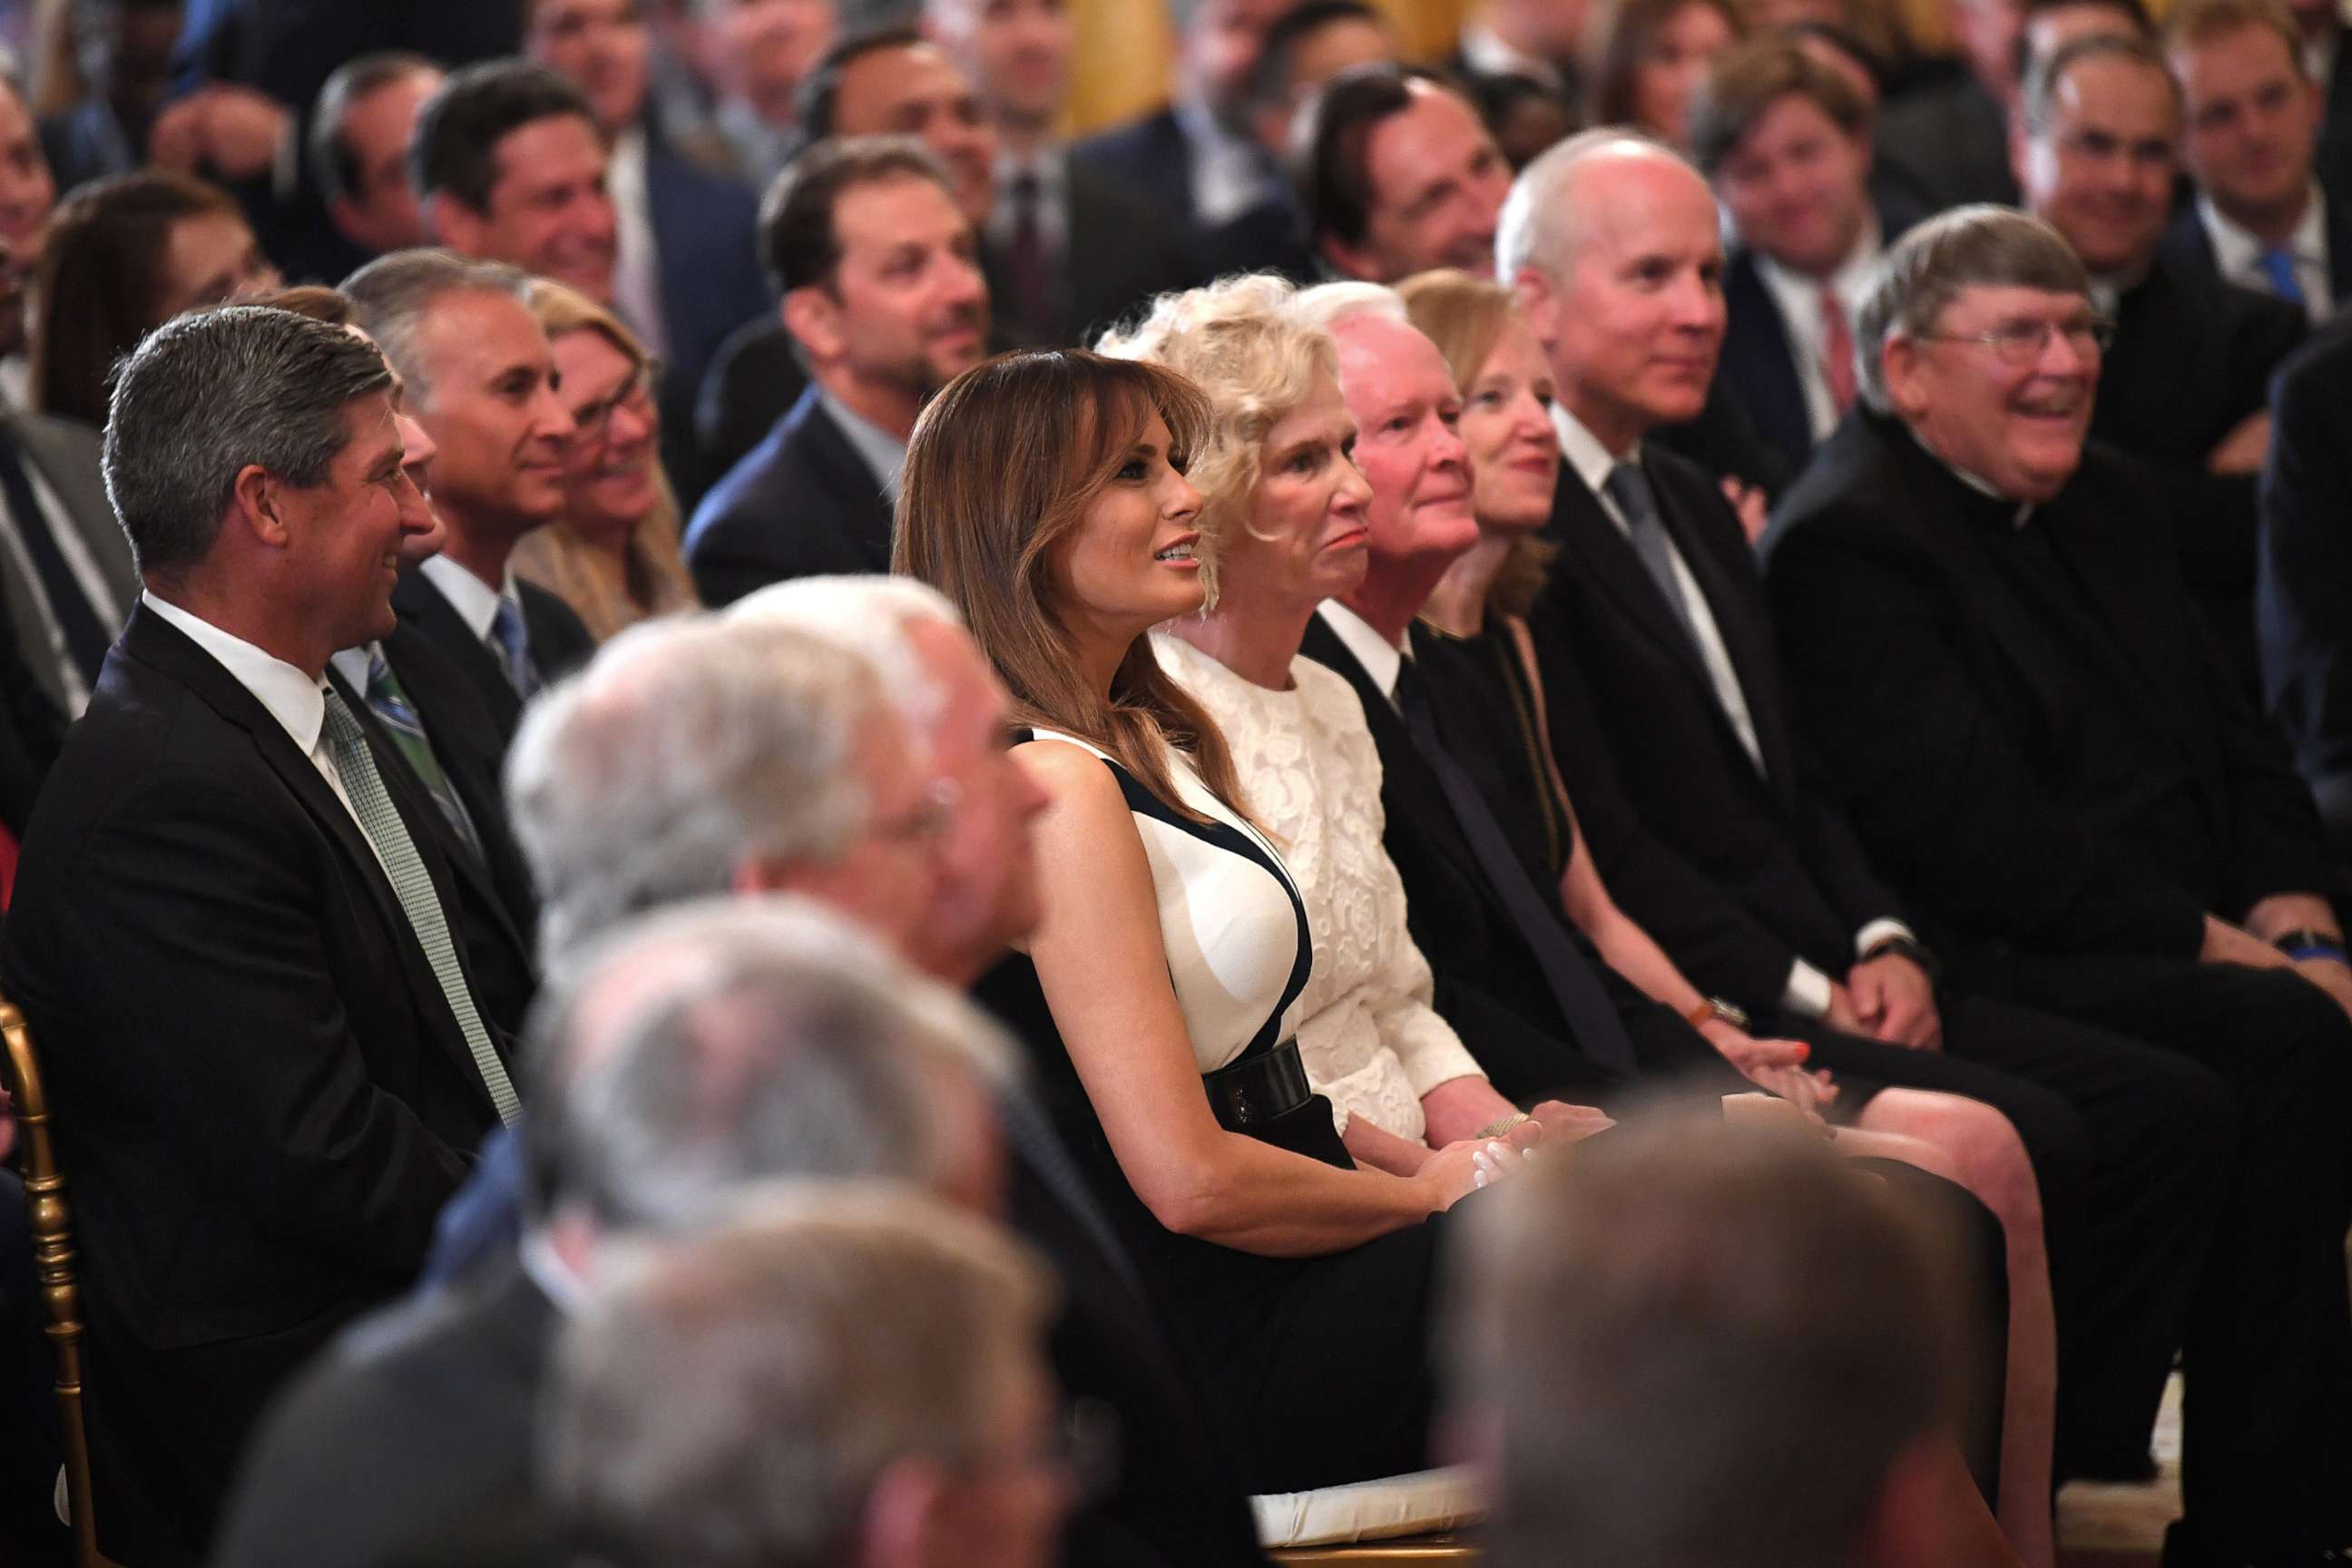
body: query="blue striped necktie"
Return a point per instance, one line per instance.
(513, 641)
(388, 700)
(2278, 267)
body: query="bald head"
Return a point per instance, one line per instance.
(1611, 246)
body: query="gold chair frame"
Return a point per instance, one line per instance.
(53, 1260)
(1447, 1547)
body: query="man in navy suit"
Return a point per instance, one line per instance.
(1196, 157)
(1785, 141)
(686, 268)
(881, 285)
(2260, 220)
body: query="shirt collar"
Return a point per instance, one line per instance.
(296, 700)
(884, 453)
(2236, 251)
(476, 602)
(1846, 279)
(1382, 659)
(1046, 165)
(1488, 53)
(1984, 488)
(1585, 454)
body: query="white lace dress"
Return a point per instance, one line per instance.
(1367, 1034)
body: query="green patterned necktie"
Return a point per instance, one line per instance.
(413, 885)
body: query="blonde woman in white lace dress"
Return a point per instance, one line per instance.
(1401, 1082)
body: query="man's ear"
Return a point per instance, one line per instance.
(904, 1514)
(257, 495)
(1899, 363)
(450, 222)
(1539, 302)
(812, 316)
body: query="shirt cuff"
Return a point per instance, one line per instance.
(1878, 931)
(1432, 1062)
(1808, 991)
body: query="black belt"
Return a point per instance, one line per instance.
(1253, 1091)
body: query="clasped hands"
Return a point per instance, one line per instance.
(1468, 1164)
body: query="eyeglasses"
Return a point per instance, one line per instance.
(2021, 343)
(926, 820)
(595, 421)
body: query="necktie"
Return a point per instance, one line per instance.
(1837, 353)
(1583, 1004)
(1032, 1136)
(412, 886)
(388, 700)
(1629, 487)
(1028, 269)
(513, 643)
(87, 638)
(2278, 270)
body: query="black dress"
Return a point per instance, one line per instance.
(1315, 1370)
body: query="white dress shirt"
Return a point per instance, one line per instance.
(296, 700)
(1050, 168)
(476, 602)
(1230, 172)
(1807, 991)
(636, 258)
(2238, 255)
(884, 453)
(1799, 298)
(1382, 659)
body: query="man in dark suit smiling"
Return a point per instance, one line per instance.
(231, 931)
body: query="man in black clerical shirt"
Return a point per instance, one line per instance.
(2082, 811)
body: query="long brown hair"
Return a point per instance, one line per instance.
(1465, 317)
(1619, 44)
(1004, 464)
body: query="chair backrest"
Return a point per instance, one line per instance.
(53, 1260)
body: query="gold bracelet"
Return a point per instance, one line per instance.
(1500, 1126)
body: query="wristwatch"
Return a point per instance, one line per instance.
(2302, 944)
(1713, 1009)
(1906, 947)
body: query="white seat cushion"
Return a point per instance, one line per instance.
(1416, 1504)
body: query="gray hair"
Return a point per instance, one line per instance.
(208, 394)
(689, 745)
(1922, 273)
(731, 1401)
(1323, 307)
(1697, 1344)
(1540, 219)
(2038, 103)
(869, 615)
(394, 294)
(731, 1041)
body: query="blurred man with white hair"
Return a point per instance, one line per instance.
(842, 1373)
(674, 1062)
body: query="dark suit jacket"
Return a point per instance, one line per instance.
(1758, 366)
(344, 1473)
(2189, 247)
(559, 645)
(2333, 164)
(800, 503)
(1490, 981)
(32, 729)
(260, 1087)
(707, 251)
(1120, 252)
(2192, 359)
(1151, 159)
(414, 1429)
(2304, 586)
(1938, 685)
(754, 380)
(1737, 873)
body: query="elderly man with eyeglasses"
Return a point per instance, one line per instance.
(2002, 672)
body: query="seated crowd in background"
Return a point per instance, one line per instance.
(801, 825)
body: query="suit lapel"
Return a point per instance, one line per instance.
(416, 600)
(1759, 361)
(863, 504)
(164, 648)
(1603, 555)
